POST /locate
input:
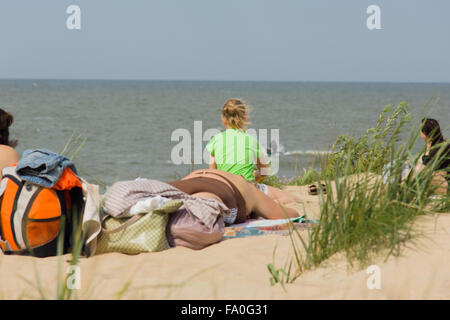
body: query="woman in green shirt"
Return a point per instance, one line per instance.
(237, 152)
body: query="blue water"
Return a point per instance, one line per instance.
(128, 124)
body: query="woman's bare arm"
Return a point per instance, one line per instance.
(212, 162)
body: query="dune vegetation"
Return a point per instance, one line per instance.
(372, 199)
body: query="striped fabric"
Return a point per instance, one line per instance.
(121, 196)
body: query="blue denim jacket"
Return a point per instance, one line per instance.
(42, 167)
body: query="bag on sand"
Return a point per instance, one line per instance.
(186, 230)
(32, 217)
(140, 233)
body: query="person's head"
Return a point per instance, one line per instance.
(6, 120)
(235, 114)
(431, 131)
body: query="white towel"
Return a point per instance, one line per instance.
(147, 205)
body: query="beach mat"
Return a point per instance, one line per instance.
(261, 227)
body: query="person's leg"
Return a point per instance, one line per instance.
(282, 196)
(268, 208)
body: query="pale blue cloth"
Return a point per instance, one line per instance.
(42, 167)
(387, 172)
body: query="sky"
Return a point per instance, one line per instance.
(232, 40)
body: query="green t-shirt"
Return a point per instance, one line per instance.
(235, 151)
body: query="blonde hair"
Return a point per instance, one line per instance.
(236, 113)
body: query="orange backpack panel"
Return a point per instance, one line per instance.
(30, 215)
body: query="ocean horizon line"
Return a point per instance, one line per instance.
(222, 81)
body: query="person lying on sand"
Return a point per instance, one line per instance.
(237, 152)
(8, 155)
(238, 194)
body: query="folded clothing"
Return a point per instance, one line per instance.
(148, 205)
(123, 195)
(186, 230)
(43, 167)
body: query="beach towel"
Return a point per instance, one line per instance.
(265, 226)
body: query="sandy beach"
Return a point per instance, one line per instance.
(237, 269)
(231, 105)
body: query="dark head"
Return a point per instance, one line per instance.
(431, 131)
(6, 120)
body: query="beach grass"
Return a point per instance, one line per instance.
(369, 209)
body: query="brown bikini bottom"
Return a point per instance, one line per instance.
(231, 197)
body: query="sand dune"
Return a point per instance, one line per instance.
(237, 269)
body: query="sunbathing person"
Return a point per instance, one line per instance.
(436, 147)
(8, 155)
(237, 152)
(239, 195)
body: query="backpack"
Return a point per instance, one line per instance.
(32, 217)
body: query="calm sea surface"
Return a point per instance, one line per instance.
(128, 124)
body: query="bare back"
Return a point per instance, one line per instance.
(8, 156)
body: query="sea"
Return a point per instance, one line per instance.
(121, 130)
